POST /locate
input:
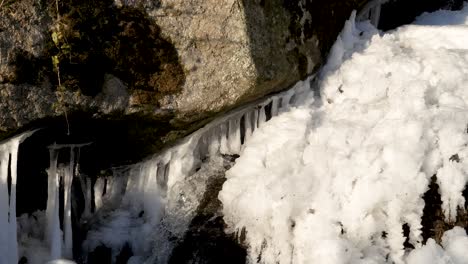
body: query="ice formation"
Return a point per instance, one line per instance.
(8, 167)
(334, 181)
(161, 194)
(40, 236)
(57, 175)
(329, 177)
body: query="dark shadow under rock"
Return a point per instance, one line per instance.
(400, 12)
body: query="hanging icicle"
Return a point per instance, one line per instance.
(248, 126)
(60, 243)
(67, 182)
(234, 136)
(274, 106)
(8, 225)
(261, 116)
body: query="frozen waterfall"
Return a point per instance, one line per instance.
(331, 171)
(168, 186)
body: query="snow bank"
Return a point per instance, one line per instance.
(336, 183)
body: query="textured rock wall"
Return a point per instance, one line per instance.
(168, 65)
(145, 73)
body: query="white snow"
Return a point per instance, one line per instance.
(455, 243)
(323, 181)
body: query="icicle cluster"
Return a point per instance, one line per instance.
(160, 187)
(8, 167)
(61, 246)
(225, 136)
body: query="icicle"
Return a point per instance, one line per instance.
(85, 183)
(371, 11)
(151, 199)
(53, 233)
(8, 226)
(98, 192)
(286, 100)
(52, 199)
(274, 106)
(254, 117)
(223, 141)
(262, 116)
(115, 186)
(152, 182)
(54, 224)
(234, 136)
(4, 248)
(248, 126)
(141, 180)
(110, 185)
(12, 229)
(67, 182)
(213, 144)
(375, 15)
(165, 176)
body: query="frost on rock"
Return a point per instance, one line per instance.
(336, 181)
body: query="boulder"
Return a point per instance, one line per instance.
(144, 73)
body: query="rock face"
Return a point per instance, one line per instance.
(149, 72)
(172, 64)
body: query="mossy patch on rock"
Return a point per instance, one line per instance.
(95, 38)
(88, 39)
